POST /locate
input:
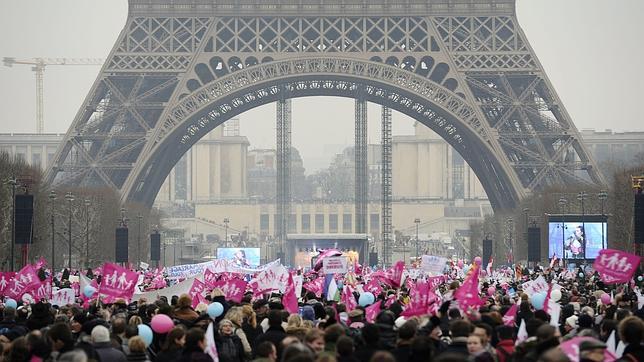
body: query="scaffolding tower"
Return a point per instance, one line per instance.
(386, 185)
(361, 176)
(283, 160)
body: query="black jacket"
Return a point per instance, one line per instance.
(274, 335)
(171, 355)
(458, 345)
(387, 336)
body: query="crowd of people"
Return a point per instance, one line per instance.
(259, 329)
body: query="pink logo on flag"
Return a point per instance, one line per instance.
(197, 288)
(616, 266)
(315, 286)
(233, 289)
(118, 282)
(289, 299)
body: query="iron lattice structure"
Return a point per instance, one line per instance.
(361, 180)
(385, 209)
(283, 164)
(464, 68)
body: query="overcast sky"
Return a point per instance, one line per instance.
(592, 51)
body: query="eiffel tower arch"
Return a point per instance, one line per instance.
(463, 68)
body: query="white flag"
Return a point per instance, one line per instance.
(211, 348)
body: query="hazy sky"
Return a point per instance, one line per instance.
(592, 51)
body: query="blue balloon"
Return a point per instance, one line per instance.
(640, 278)
(215, 310)
(340, 284)
(538, 300)
(11, 303)
(89, 291)
(146, 334)
(366, 299)
(466, 268)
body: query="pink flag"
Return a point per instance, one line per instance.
(468, 293)
(289, 300)
(233, 289)
(325, 254)
(571, 349)
(395, 274)
(510, 315)
(372, 311)
(347, 298)
(616, 266)
(5, 281)
(422, 300)
(210, 278)
(197, 288)
(373, 287)
(553, 260)
(390, 300)
(23, 282)
(118, 282)
(315, 286)
(43, 292)
(40, 263)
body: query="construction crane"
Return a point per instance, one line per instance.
(38, 66)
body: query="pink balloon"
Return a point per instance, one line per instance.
(490, 291)
(478, 260)
(161, 324)
(605, 298)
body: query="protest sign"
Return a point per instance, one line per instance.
(616, 266)
(433, 264)
(63, 297)
(335, 265)
(118, 282)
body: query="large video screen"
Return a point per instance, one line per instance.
(573, 238)
(243, 257)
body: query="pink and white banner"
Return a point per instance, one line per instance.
(233, 289)
(43, 292)
(571, 349)
(63, 297)
(197, 289)
(371, 312)
(273, 278)
(118, 282)
(616, 266)
(315, 286)
(289, 300)
(23, 282)
(6, 281)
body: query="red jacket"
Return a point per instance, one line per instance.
(504, 349)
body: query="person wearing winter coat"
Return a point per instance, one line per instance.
(194, 349)
(137, 350)
(229, 345)
(172, 348)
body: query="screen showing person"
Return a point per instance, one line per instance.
(241, 257)
(575, 240)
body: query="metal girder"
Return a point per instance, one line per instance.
(361, 165)
(283, 157)
(385, 209)
(461, 67)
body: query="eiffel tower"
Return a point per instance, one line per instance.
(463, 68)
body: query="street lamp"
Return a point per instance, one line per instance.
(226, 221)
(70, 198)
(87, 204)
(52, 199)
(417, 222)
(138, 242)
(562, 205)
(525, 213)
(13, 183)
(603, 195)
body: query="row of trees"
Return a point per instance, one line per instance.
(510, 228)
(94, 213)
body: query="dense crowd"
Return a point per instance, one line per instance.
(259, 329)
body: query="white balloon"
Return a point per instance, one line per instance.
(555, 295)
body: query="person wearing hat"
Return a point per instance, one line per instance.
(103, 346)
(591, 350)
(260, 306)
